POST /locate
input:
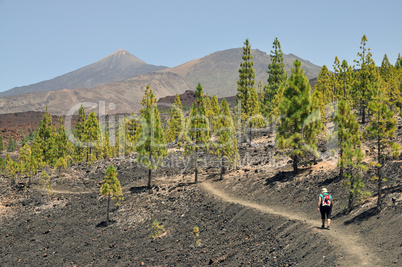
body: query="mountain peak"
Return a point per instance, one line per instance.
(117, 66)
(124, 57)
(121, 52)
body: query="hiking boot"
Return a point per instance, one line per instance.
(322, 226)
(328, 227)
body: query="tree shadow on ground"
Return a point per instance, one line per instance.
(329, 181)
(103, 224)
(138, 189)
(281, 176)
(391, 190)
(362, 216)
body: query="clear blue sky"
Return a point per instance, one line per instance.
(43, 39)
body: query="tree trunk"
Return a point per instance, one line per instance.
(196, 165)
(341, 161)
(364, 113)
(351, 195)
(108, 203)
(379, 199)
(149, 178)
(295, 169)
(249, 136)
(223, 168)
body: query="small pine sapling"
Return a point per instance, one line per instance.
(157, 230)
(45, 183)
(111, 188)
(196, 233)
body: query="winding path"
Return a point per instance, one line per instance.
(355, 254)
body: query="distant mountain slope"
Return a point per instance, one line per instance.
(125, 95)
(218, 72)
(116, 67)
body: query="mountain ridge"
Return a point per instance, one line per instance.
(117, 66)
(218, 72)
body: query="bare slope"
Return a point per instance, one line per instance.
(116, 67)
(125, 95)
(218, 72)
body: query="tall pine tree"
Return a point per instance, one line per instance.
(366, 78)
(197, 129)
(153, 146)
(277, 77)
(176, 122)
(245, 85)
(227, 148)
(382, 129)
(350, 154)
(298, 129)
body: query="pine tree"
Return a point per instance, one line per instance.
(318, 105)
(366, 78)
(391, 82)
(382, 128)
(111, 188)
(91, 135)
(1, 143)
(153, 145)
(79, 131)
(107, 149)
(28, 163)
(227, 148)
(350, 154)
(216, 111)
(11, 146)
(398, 63)
(62, 145)
(210, 112)
(133, 132)
(197, 129)
(12, 169)
(276, 80)
(245, 84)
(44, 148)
(324, 85)
(176, 121)
(298, 129)
(61, 163)
(398, 67)
(255, 119)
(345, 79)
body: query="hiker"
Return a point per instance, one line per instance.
(325, 207)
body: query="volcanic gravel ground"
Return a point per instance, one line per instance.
(68, 228)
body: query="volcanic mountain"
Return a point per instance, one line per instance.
(125, 96)
(117, 79)
(116, 67)
(218, 72)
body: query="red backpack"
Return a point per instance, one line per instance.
(326, 200)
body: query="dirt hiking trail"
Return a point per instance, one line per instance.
(355, 254)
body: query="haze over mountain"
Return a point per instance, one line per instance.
(116, 67)
(218, 72)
